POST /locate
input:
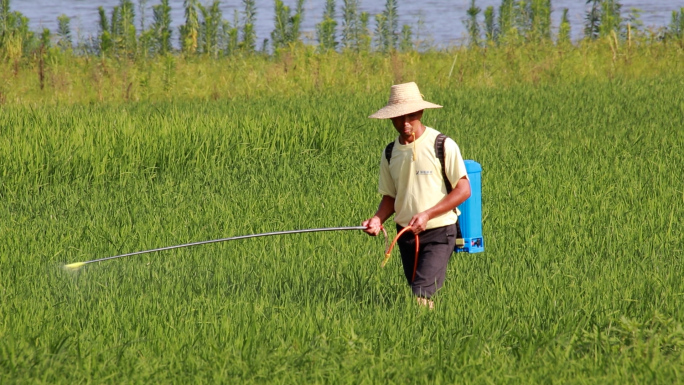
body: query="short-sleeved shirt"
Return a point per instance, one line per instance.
(418, 185)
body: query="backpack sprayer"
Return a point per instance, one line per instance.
(470, 220)
(470, 223)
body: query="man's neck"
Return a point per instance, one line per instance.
(411, 138)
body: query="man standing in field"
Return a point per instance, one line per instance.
(420, 191)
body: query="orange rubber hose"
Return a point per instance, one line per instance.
(388, 252)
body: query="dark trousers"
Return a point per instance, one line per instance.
(435, 248)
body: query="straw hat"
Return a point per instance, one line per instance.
(404, 99)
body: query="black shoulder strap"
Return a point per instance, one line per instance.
(439, 151)
(388, 151)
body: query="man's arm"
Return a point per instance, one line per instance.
(385, 210)
(457, 196)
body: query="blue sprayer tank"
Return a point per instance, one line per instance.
(470, 219)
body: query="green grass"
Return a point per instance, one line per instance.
(580, 282)
(300, 71)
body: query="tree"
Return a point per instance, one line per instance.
(564, 28)
(675, 31)
(161, 27)
(248, 34)
(603, 18)
(209, 35)
(287, 26)
(489, 23)
(123, 23)
(610, 20)
(540, 13)
(119, 34)
(45, 39)
(506, 18)
(392, 23)
(350, 25)
(522, 17)
(364, 32)
(4, 18)
(16, 39)
(231, 33)
(325, 30)
(386, 27)
(472, 25)
(406, 43)
(592, 20)
(64, 32)
(189, 32)
(105, 37)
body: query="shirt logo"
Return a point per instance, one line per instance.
(424, 172)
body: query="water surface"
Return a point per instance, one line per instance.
(437, 21)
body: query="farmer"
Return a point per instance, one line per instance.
(413, 188)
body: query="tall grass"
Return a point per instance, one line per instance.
(301, 70)
(582, 205)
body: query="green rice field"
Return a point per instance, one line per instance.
(580, 282)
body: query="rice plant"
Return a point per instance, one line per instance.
(579, 282)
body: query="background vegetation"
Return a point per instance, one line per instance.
(133, 59)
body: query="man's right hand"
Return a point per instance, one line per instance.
(372, 225)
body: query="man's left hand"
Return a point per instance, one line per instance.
(419, 222)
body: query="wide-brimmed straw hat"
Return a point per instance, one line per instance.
(404, 99)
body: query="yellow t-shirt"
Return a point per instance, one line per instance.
(418, 185)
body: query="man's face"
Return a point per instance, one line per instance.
(407, 124)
